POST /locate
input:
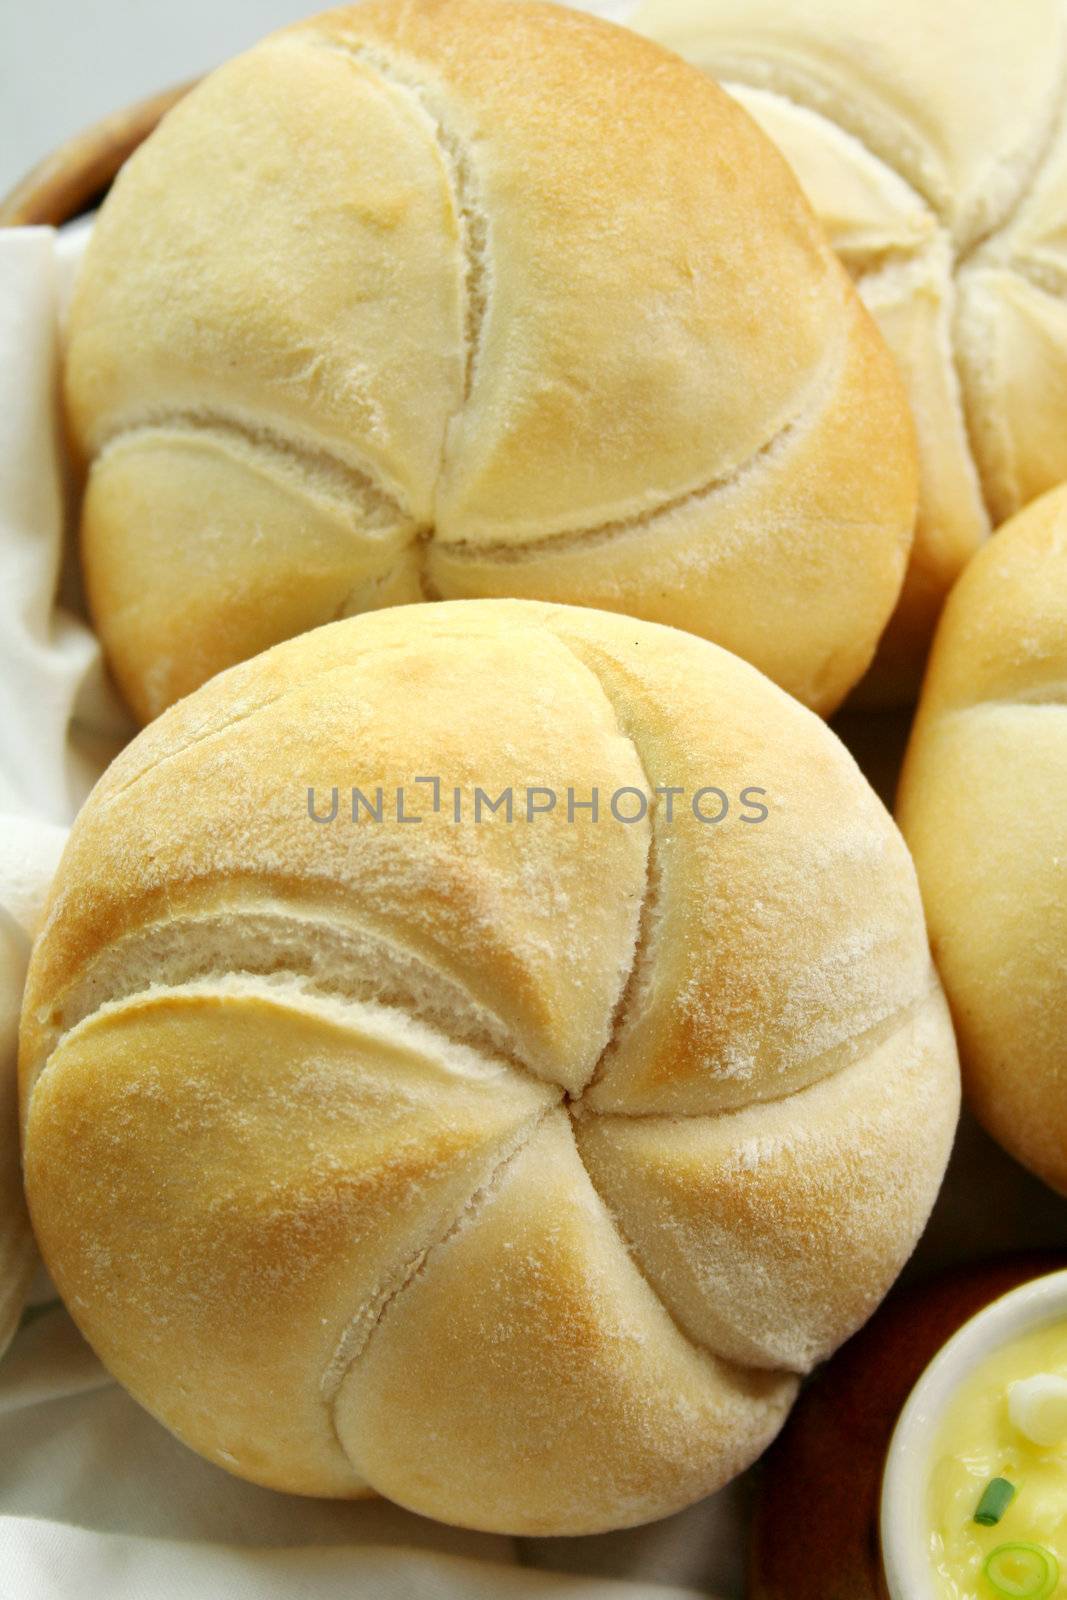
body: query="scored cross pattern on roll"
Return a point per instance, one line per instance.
(514, 1171)
(931, 138)
(464, 299)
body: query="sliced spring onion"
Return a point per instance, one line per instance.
(996, 1498)
(1022, 1571)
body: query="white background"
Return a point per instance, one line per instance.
(66, 63)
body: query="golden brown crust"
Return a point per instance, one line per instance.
(437, 293)
(983, 804)
(444, 1095)
(275, 1154)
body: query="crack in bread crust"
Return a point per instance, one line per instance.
(1028, 178)
(365, 1323)
(487, 1032)
(838, 1058)
(642, 950)
(805, 93)
(702, 1348)
(816, 392)
(358, 493)
(401, 73)
(412, 977)
(312, 465)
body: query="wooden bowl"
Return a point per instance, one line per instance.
(75, 178)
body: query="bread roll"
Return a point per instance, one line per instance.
(512, 1169)
(455, 299)
(931, 140)
(983, 804)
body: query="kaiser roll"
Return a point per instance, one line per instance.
(514, 1168)
(931, 137)
(983, 804)
(453, 298)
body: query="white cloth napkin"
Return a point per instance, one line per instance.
(96, 1499)
(59, 722)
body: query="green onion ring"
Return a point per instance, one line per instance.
(1035, 1575)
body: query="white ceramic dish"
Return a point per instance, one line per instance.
(905, 1525)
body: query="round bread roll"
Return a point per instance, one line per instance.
(511, 1168)
(932, 141)
(432, 300)
(983, 804)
